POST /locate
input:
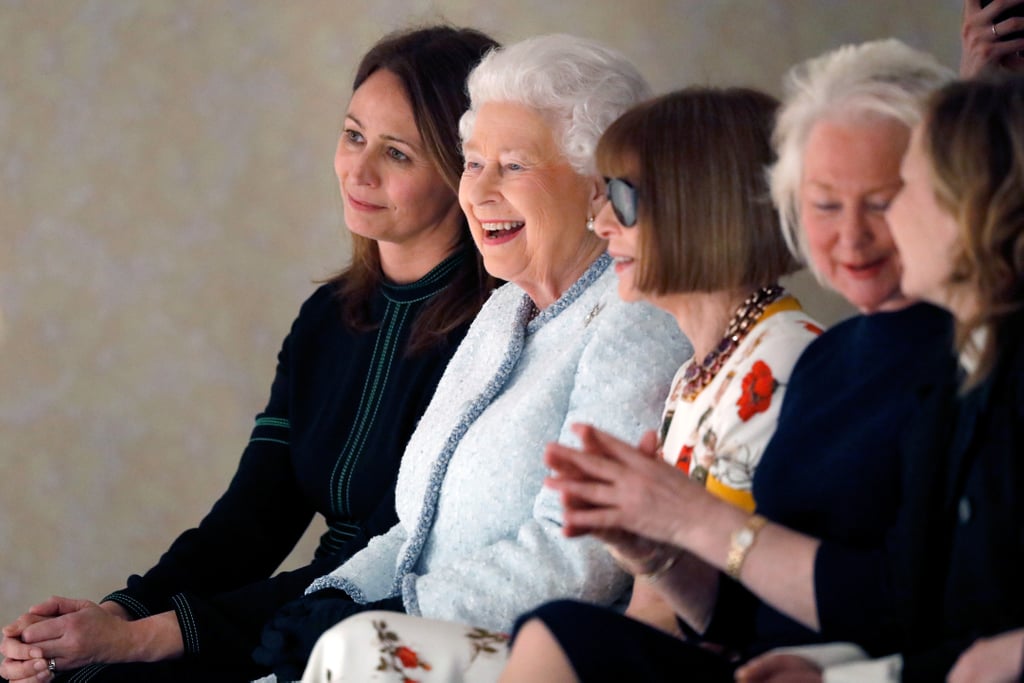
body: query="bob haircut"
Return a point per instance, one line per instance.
(878, 79)
(973, 135)
(432, 64)
(578, 85)
(698, 158)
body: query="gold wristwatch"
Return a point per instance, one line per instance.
(740, 543)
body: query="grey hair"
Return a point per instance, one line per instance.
(877, 79)
(577, 84)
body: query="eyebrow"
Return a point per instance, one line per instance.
(829, 186)
(392, 138)
(525, 153)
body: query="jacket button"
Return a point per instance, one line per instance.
(964, 510)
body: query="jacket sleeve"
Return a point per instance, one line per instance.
(619, 386)
(249, 530)
(374, 584)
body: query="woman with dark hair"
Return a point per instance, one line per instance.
(353, 378)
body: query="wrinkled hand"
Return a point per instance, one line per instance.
(780, 668)
(992, 660)
(75, 633)
(610, 488)
(980, 47)
(634, 554)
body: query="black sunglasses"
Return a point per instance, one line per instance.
(622, 195)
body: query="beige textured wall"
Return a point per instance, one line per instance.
(167, 199)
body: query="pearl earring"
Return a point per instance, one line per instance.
(590, 223)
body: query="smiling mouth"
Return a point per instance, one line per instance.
(364, 206)
(865, 269)
(502, 229)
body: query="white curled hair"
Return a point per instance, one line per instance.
(878, 79)
(577, 84)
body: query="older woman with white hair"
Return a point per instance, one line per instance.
(828, 484)
(479, 539)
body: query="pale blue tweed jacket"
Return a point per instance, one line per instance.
(479, 539)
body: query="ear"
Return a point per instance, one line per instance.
(597, 194)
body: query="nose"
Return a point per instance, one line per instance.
(606, 225)
(357, 166)
(481, 187)
(855, 229)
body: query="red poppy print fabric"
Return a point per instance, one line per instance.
(718, 435)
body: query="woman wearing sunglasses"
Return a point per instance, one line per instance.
(692, 232)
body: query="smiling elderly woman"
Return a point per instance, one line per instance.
(479, 539)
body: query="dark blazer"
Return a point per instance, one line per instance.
(963, 536)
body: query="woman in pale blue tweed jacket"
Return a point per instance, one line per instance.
(479, 538)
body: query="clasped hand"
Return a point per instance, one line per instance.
(624, 495)
(74, 633)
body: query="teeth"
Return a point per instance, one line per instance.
(623, 259)
(505, 225)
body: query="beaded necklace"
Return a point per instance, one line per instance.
(699, 375)
(534, 312)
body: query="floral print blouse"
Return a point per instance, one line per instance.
(718, 435)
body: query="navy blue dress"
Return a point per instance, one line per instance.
(831, 470)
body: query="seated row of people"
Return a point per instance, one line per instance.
(750, 522)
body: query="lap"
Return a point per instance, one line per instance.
(604, 645)
(174, 671)
(415, 648)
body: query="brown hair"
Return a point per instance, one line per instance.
(973, 137)
(698, 158)
(432, 63)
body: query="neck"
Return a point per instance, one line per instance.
(403, 266)
(547, 290)
(703, 316)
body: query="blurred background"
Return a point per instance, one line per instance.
(167, 201)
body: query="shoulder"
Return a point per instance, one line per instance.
(786, 334)
(509, 294)
(613, 316)
(323, 300)
(909, 327)
(500, 311)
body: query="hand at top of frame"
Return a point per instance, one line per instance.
(983, 43)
